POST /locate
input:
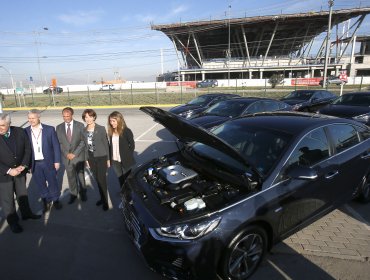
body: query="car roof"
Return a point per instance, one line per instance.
(289, 122)
(358, 93)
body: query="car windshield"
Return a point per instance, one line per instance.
(228, 108)
(260, 147)
(300, 95)
(200, 100)
(353, 100)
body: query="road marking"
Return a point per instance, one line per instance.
(143, 134)
(279, 270)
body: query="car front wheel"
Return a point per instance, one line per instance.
(244, 253)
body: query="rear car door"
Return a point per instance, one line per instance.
(304, 199)
(351, 157)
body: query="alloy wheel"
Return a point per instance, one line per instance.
(246, 255)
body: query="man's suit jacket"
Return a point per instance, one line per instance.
(126, 148)
(77, 145)
(50, 145)
(10, 159)
(100, 141)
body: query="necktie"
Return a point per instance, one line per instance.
(6, 135)
(69, 133)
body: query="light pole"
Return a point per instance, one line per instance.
(37, 34)
(228, 47)
(12, 80)
(324, 83)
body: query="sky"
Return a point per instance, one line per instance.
(79, 42)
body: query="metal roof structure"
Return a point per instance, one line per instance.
(261, 36)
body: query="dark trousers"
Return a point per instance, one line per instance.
(76, 177)
(121, 172)
(99, 167)
(45, 177)
(7, 189)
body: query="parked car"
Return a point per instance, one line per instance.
(199, 104)
(309, 100)
(51, 89)
(355, 105)
(107, 87)
(218, 205)
(334, 80)
(207, 83)
(236, 107)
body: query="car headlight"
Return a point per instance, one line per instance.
(187, 231)
(186, 114)
(363, 118)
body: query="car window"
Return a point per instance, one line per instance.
(318, 95)
(363, 132)
(313, 148)
(344, 136)
(255, 108)
(271, 106)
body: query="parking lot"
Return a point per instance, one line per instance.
(81, 241)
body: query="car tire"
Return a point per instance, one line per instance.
(213, 86)
(363, 191)
(244, 253)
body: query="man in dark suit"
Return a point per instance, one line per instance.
(15, 156)
(72, 145)
(45, 159)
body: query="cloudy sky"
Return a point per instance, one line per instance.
(84, 41)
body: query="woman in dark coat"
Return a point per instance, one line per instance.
(96, 142)
(121, 146)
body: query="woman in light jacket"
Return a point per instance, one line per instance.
(96, 142)
(121, 146)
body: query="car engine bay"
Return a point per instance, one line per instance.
(185, 189)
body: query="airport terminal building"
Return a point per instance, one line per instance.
(293, 45)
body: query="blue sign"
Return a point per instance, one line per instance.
(31, 79)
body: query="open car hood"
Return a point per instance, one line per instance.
(188, 132)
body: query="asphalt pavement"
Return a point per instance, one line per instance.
(81, 241)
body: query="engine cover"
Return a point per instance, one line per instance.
(176, 174)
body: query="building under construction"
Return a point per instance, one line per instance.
(257, 47)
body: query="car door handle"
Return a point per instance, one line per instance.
(331, 174)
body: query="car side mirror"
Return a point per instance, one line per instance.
(302, 173)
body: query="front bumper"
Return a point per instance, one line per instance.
(176, 259)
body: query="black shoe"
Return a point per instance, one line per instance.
(57, 205)
(72, 199)
(99, 202)
(16, 228)
(47, 206)
(105, 207)
(83, 195)
(31, 216)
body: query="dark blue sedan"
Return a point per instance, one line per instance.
(355, 105)
(236, 107)
(213, 209)
(199, 104)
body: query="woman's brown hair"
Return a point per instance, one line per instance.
(121, 124)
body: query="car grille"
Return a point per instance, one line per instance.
(132, 222)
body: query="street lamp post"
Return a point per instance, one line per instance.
(37, 34)
(324, 83)
(13, 89)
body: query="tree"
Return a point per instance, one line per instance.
(276, 79)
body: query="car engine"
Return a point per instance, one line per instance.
(185, 189)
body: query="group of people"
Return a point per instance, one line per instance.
(41, 148)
